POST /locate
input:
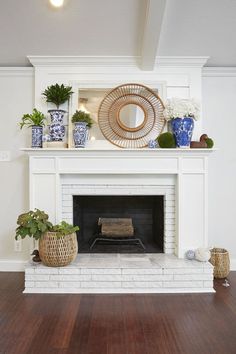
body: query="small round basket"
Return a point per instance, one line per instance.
(57, 251)
(220, 261)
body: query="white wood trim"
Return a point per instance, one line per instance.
(219, 71)
(152, 30)
(114, 61)
(16, 71)
(12, 265)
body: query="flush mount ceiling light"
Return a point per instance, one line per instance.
(57, 3)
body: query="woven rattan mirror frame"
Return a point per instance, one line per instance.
(118, 134)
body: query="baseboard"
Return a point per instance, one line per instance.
(233, 264)
(12, 265)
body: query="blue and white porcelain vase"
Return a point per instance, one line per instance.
(80, 134)
(57, 129)
(37, 136)
(182, 129)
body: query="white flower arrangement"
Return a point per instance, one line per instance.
(180, 108)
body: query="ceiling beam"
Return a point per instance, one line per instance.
(152, 30)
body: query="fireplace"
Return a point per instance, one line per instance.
(145, 211)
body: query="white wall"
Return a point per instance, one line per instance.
(219, 117)
(16, 98)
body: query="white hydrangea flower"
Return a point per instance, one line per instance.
(180, 108)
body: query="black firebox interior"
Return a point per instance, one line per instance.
(147, 213)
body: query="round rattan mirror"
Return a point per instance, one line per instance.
(130, 115)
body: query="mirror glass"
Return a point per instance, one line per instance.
(131, 116)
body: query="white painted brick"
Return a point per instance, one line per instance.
(66, 197)
(69, 221)
(169, 216)
(106, 277)
(100, 271)
(169, 251)
(169, 209)
(208, 284)
(47, 270)
(170, 233)
(169, 245)
(142, 271)
(169, 239)
(169, 227)
(182, 284)
(170, 221)
(101, 284)
(170, 203)
(182, 270)
(183, 277)
(67, 203)
(146, 277)
(29, 284)
(69, 277)
(67, 214)
(69, 271)
(29, 270)
(46, 284)
(66, 209)
(69, 284)
(208, 270)
(37, 277)
(170, 197)
(141, 284)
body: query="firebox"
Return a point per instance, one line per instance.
(145, 212)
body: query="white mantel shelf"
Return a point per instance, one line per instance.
(117, 152)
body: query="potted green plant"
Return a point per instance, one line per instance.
(82, 122)
(57, 94)
(57, 243)
(35, 120)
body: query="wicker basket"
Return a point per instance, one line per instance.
(57, 251)
(220, 261)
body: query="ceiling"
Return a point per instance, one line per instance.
(112, 27)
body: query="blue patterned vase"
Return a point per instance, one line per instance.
(80, 134)
(57, 129)
(182, 129)
(152, 144)
(37, 136)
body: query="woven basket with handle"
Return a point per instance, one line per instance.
(57, 251)
(221, 262)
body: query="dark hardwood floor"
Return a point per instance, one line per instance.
(116, 324)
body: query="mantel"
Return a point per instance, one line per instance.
(117, 152)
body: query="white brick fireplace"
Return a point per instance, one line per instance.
(178, 175)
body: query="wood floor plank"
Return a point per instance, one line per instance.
(116, 324)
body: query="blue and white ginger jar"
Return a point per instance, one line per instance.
(80, 134)
(37, 136)
(57, 129)
(182, 129)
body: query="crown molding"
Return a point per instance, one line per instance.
(16, 71)
(115, 61)
(182, 61)
(219, 71)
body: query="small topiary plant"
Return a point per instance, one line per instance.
(36, 118)
(209, 142)
(58, 94)
(81, 116)
(166, 140)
